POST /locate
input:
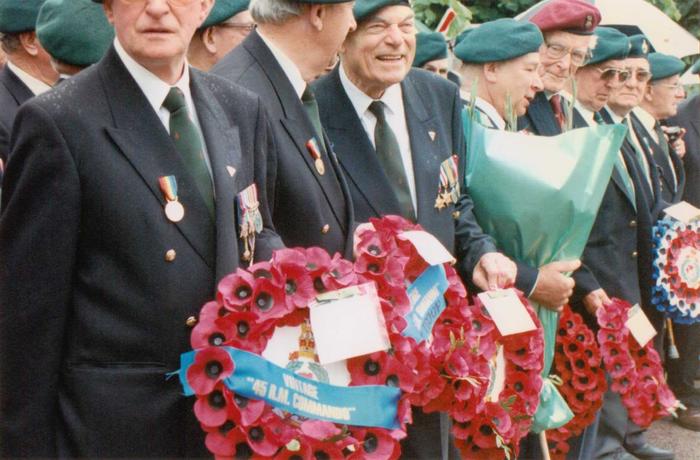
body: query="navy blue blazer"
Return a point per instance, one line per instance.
(433, 116)
(671, 190)
(539, 118)
(617, 256)
(688, 117)
(13, 93)
(308, 209)
(111, 282)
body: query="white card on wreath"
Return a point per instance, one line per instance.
(507, 311)
(429, 247)
(639, 325)
(347, 323)
(683, 211)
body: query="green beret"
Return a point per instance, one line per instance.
(364, 8)
(429, 47)
(74, 31)
(611, 44)
(18, 15)
(640, 46)
(664, 66)
(224, 9)
(695, 69)
(499, 40)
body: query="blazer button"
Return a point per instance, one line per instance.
(455, 215)
(325, 229)
(634, 254)
(191, 321)
(633, 223)
(170, 255)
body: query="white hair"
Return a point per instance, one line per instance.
(273, 11)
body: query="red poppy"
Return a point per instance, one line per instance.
(211, 365)
(374, 445)
(289, 267)
(226, 440)
(340, 274)
(317, 264)
(213, 409)
(269, 300)
(235, 291)
(262, 439)
(525, 350)
(319, 429)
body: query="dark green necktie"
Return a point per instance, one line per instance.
(598, 118)
(389, 154)
(188, 141)
(311, 107)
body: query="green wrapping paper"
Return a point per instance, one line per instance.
(538, 197)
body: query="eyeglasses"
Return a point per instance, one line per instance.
(234, 25)
(579, 56)
(641, 75)
(178, 3)
(610, 73)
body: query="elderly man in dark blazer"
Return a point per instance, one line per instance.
(396, 131)
(27, 72)
(293, 43)
(125, 195)
(567, 26)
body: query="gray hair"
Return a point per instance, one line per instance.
(10, 42)
(273, 11)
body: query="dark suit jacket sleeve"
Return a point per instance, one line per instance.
(265, 171)
(585, 284)
(526, 279)
(38, 245)
(470, 240)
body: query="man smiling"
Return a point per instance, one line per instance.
(395, 130)
(122, 184)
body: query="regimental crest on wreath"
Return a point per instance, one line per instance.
(448, 192)
(250, 219)
(304, 361)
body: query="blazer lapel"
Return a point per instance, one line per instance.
(154, 155)
(16, 87)
(654, 150)
(542, 116)
(356, 153)
(426, 170)
(224, 148)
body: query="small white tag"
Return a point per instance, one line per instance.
(349, 326)
(639, 325)
(429, 247)
(683, 211)
(507, 311)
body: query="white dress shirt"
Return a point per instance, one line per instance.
(395, 117)
(289, 68)
(156, 90)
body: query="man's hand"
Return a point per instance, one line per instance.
(595, 300)
(553, 287)
(494, 271)
(678, 144)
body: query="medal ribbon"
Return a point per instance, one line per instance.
(168, 185)
(312, 146)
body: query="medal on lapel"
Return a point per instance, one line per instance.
(250, 219)
(174, 210)
(448, 192)
(315, 152)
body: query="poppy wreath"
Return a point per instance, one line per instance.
(577, 363)
(676, 270)
(249, 306)
(637, 373)
(465, 345)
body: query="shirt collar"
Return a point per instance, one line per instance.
(586, 113)
(490, 112)
(646, 118)
(289, 68)
(35, 85)
(155, 89)
(616, 118)
(392, 97)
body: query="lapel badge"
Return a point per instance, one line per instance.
(645, 47)
(315, 152)
(448, 191)
(174, 210)
(250, 218)
(231, 170)
(432, 135)
(589, 22)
